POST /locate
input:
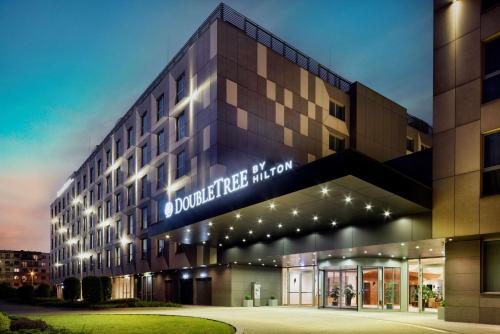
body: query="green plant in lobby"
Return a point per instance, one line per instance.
(427, 294)
(71, 288)
(389, 295)
(349, 293)
(335, 294)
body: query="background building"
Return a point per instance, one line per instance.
(24, 267)
(236, 95)
(466, 171)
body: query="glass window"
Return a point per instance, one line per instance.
(144, 121)
(108, 183)
(160, 145)
(181, 126)
(108, 234)
(130, 195)
(118, 256)
(144, 186)
(161, 247)
(118, 148)
(130, 137)
(160, 107)
(118, 229)
(491, 80)
(108, 258)
(130, 166)
(108, 158)
(491, 266)
(180, 85)
(336, 144)
(181, 164)
(161, 176)
(99, 167)
(118, 173)
(144, 249)
(118, 202)
(144, 217)
(144, 155)
(130, 251)
(392, 288)
(108, 208)
(491, 163)
(160, 209)
(130, 224)
(410, 144)
(336, 110)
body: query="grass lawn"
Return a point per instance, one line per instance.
(128, 324)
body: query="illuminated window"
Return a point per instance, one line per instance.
(144, 217)
(130, 252)
(118, 256)
(160, 247)
(144, 249)
(130, 224)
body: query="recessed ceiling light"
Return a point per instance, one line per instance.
(188, 230)
(220, 245)
(343, 257)
(348, 199)
(417, 246)
(259, 221)
(275, 265)
(167, 236)
(365, 251)
(430, 249)
(315, 218)
(297, 229)
(387, 213)
(268, 235)
(203, 242)
(244, 240)
(280, 225)
(227, 237)
(208, 233)
(334, 223)
(329, 255)
(250, 232)
(259, 259)
(324, 191)
(450, 239)
(379, 254)
(295, 212)
(238, 216)
(263, 264)
(235, 262)
(368, 206)
(272, 206)
(392, 255)
(350, 249)
(274, 260)
(249, 263)
(210, 223)
(402, 244)
(231, 228)
(404, 257)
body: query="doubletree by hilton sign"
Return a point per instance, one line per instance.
(225, 186)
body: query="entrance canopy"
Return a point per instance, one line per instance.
(340, 190)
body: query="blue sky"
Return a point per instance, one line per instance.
(70, 69)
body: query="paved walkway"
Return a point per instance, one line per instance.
(290, 320)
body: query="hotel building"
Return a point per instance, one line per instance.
(24, 267)
(466, 155)
(247, 167)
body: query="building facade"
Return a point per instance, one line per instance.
(248, 167)
(24, 267)
(466, 154)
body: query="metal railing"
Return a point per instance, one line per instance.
(261, 35)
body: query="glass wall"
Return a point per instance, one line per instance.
(425, 284)
(371, 287)
(341, 288)
(392, 288)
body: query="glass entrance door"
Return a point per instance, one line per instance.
(372, 285)
(300, 287)
(341, 288)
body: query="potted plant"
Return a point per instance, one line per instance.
(389, 294)
(441, 310)
(335, 294)
(414, 297)
(427, 294)
(248, 302)
(349, 293)
(272, 301)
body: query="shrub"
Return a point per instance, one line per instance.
(71, 288)
(4, 322)
(25, 293)
(43, 291)
(247, 297)
(92, 290)
(6, 291)
(107, 287)
(25, 323)
(272, 297)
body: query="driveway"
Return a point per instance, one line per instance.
(291, 320)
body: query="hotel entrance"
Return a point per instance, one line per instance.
(300, 286)
(341, 288)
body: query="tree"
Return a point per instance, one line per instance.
(107, 287)
(43, 291)
(92, 290)
(26, 293)
(6, 291)
(71, 288)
